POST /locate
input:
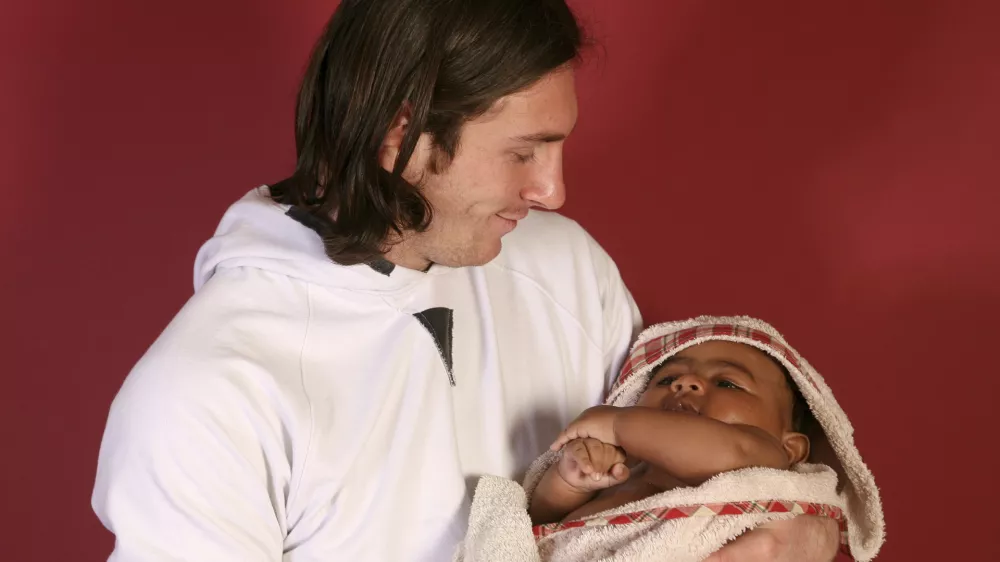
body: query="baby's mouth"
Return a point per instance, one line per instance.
(682, 408)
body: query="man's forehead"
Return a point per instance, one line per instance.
(544, 112)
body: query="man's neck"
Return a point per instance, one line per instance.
(402, 254)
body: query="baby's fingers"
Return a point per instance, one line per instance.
(560, 441)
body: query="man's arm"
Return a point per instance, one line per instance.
(192, 468)
(622, 321)
(802, 539)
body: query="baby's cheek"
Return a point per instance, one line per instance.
(727, 417)
(734, 414)
(648, 398)
(757, 416)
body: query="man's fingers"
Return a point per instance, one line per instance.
(581, 454)
(619, 455)
(578, 457)
(619, 472)
(595, 450)
(603, 457)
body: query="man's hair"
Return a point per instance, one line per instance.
(446, 62)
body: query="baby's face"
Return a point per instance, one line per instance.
(730, 382)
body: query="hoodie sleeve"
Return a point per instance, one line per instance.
(192, 468)
(622, 320)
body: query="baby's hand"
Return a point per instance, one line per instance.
(596, 423)
(588, 465)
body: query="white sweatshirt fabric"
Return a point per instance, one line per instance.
(299, 410)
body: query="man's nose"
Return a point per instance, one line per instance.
(547, 189)
(686, 384)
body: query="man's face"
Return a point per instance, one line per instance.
(730, 382)
(507, 161)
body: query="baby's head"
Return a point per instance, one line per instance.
(701, 365)
(733, 383)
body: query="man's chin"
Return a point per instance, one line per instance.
(473, 257)
(491, 253)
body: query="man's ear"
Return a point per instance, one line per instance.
(389, 151)
(796, 446)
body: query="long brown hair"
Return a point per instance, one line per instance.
(448, 60)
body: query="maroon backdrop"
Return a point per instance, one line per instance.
(831, 167)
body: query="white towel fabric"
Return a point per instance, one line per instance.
(688, 524)
(681, 525)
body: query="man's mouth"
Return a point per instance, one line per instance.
(509, 220)
(513, 216)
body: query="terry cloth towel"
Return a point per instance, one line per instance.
(688, 524)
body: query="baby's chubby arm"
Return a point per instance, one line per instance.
(584, 467)
(691, 448)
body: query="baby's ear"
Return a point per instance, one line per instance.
(796, 446)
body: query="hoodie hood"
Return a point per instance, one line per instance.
(257, 232)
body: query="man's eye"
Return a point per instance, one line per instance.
(723, 383)
(524, 158)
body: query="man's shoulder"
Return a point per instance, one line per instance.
(238, 338)
(550, 246)
(549, 225)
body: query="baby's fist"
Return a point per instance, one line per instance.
(588, 465)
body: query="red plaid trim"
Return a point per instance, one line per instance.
(650, 352)
(703, 510)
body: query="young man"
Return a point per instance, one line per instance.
(360, 347)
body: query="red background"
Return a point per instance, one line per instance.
(830, 167)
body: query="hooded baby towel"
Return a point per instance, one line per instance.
(689, 524)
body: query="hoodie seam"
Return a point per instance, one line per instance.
(305, 393)
(553, 300)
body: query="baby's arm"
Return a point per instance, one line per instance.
(691, 448)
(585, 467)
(694, 448)
(554, 498)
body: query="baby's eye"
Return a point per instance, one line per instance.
(667, 380)
(723, 383)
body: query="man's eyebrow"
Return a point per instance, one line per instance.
(541, 137)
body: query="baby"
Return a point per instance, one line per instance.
(714, 407)
(702, 439)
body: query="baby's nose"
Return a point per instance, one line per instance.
(688, 383)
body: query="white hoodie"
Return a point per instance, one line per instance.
(300, 410)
